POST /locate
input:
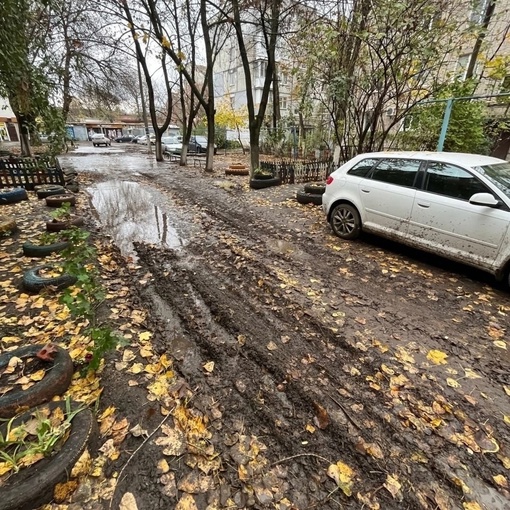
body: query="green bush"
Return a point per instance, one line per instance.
(466, 129)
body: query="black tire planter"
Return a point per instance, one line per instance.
(13, 196)
(34, 485)
(43, 250)
(57, 226)
(59, 200)
(8, 226)
(309, 198)
(32, 282)
(315, 188)
(47, 190)
(264, 183)
(55, 382)
(263, 177)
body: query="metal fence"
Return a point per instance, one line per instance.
(295, 171)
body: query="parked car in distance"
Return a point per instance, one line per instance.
(172, 144)
(143, 139)
(198, 144)
(451, 204)
(124, 139)
(100, 139)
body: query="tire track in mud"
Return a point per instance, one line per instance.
(207, 282)
(303, 398)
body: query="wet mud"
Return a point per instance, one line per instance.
(365, 353)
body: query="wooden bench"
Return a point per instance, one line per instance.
(198, 158)
(30, 172)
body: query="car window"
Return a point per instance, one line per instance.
(498, 174)
(362, 168)
(452, 181)
(397, 171)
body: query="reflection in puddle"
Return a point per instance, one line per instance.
(130, 213)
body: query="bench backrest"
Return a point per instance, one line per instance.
(30, 172)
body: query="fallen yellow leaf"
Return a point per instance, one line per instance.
(145, 336)
(452, 383)
(392, 485)
(472, 505)
(437, 357)
(501, 481)
(343, 475)
(209, 366)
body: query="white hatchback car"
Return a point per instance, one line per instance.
(100, 139)
(452, 204)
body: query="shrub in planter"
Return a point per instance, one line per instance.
(260, 174)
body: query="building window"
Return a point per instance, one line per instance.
(478, 10)
(505, 84)
(462, 65)
(261, 69)
(283, 103)
(232, 77)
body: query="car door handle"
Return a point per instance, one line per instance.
(424, 205)
(365, 190)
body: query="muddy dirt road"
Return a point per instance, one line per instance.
(332, 374)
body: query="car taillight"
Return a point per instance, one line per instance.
(329, 180)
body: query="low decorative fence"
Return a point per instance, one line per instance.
(29, 172)
(295, 171)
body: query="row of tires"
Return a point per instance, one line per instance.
(257, 182)
(15, 195)
(34, 485)
(41, 277)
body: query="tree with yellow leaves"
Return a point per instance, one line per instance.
(228, 117)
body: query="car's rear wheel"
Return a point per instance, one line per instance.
(345, 221)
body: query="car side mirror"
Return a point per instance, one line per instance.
(486, 199)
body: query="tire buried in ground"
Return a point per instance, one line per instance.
(47, 190)
(55, 382)
(34, 485)
(59, 200)
(8, 226)
(264, 183)
(237, 171)
(33, 282)
(43, 250)
(316, 188)
(12, 196)
(309, 198)
(57, 226)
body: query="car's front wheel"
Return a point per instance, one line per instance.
(345, 221)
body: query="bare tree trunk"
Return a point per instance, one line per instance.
(489, 11)
(210, 110)
(23, 125)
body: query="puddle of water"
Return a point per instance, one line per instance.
(132, 213)
(107, 160)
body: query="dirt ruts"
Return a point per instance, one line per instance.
(330, 351)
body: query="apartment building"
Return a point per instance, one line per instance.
(230, 82)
